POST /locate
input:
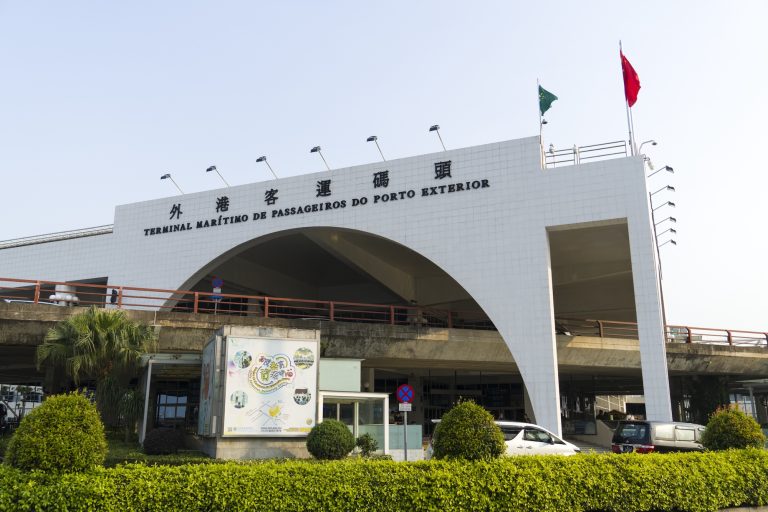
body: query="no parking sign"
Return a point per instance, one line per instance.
(405, 394)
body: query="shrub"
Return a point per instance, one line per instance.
(606, 482)
(3, 445)
(330, 440)
(64, 434)
(367, 445)
(468, 431)
(163, 441)
(729, 427)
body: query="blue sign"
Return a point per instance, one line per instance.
(405, 394)
(217, 284)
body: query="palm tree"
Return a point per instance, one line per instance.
(98, 344)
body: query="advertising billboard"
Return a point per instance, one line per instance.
(271, 387)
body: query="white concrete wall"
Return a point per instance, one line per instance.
(65, 260)
(492, 240)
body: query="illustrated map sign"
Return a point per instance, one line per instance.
(271, 387)
(405, 394)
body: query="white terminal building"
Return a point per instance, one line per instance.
(484, 263)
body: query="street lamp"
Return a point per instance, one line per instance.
(665, 168)
(668, 187)
(670, 241)
(316, 149)
(651, 142)
(168, 177)
(374, 138)
(264, 159)
(436, 128)
(213, 168)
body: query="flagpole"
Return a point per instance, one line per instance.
(632, 124)
(541, 126)
(626, 104)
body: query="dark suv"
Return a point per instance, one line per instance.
(657, 436)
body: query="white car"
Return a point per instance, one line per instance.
(528, 439)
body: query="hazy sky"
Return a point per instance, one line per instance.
(98, 99)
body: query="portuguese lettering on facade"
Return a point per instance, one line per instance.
(381, 179)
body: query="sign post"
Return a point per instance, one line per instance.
(218, 283)
(405, 395)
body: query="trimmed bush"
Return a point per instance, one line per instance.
(367, 445)
(468, 432)
(163, 441)
(606, 482)
(729, 427)
(4, 445)
(64, 434)
(330, 440)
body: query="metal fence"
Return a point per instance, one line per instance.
(55, 237)
(582, 154)
(191, 301)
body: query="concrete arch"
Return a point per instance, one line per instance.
(541, 385)
(389, 261)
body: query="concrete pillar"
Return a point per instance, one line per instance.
(527, 325)
(650, 323)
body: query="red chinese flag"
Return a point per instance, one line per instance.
(631, 80)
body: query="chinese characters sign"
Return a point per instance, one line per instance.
(225, 211)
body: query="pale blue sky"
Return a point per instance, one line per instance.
(98, 99)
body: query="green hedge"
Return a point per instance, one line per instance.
(696, 482)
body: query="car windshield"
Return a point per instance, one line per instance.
(633, 433)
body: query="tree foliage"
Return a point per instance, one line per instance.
(330, 440)
(101, 345)
(729, 427)
(96, 344)
(64, 433)
(367, 444)
(468, 432)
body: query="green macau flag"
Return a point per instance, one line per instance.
(545, 99)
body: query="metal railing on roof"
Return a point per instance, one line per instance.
(582, 154)
(55, 237)
(200, 302)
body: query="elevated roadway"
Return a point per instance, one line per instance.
(23, 327)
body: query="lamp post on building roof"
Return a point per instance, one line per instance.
(317, 150)
(651, 142)
(665, 168)
(168, 176)
(374, 138)
(436, 128)
(672, 220)
(668, 203)
(668, 187)
(213, 168)
(672, 231)
(670, 241)
(264, 159)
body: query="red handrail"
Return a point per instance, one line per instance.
(195, 301)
